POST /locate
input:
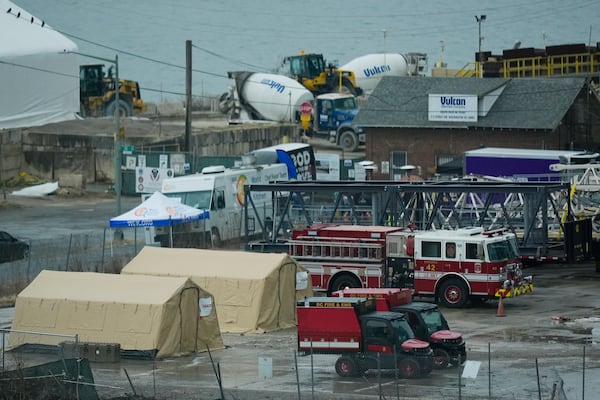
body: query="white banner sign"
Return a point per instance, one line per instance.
(328, 167)
(452, 107)
(149, 180)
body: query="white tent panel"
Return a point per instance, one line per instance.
(38, 76)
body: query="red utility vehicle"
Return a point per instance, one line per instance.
(453, 266)
(425, 319)
(365, 338)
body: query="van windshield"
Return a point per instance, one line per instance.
(199, 200)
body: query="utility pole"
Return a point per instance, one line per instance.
(384, 52)
(188, 95)
(479, 20)
(117, 117)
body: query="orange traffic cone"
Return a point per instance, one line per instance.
(500, 312)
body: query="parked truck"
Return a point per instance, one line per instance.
(258, 97)
(221, 191)
(425, 319)
(363, 337)
(452, 266)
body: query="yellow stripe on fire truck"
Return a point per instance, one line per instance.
(524, 289)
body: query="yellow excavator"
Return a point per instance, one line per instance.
(316, 75)
(97, 93)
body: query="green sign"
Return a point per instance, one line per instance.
(127, 149)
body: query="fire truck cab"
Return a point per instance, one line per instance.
(364, 338)
(457, 265)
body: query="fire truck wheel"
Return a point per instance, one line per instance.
(453, 293)
(346, 366)
(343, 281)
(441, 359)
(408, 368)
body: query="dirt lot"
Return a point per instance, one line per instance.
(541, 339)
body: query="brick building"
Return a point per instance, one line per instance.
(428, 122)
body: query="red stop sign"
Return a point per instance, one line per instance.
(305, 108)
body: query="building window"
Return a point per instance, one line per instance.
(398, 160)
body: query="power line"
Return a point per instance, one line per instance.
(38, 69)
(212, 53)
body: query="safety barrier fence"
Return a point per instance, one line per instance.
(104, 251)
(274, 369)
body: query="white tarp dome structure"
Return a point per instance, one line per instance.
(254, 292)
(162, 316)
(39, 79)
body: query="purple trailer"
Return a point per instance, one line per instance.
(517, 164)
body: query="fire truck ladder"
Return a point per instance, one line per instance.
(363, 255)
(359, 251)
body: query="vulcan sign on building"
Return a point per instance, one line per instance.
(452, 107)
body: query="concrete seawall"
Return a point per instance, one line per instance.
(86, 147)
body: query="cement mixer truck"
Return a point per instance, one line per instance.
(369, 69)
(256, 97)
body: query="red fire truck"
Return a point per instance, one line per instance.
(364, 338)
(453, 266)
(426, 320)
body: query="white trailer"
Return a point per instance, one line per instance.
(221, 191)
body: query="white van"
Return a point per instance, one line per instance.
(221, 191)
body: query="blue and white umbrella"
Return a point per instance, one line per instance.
(158, 210)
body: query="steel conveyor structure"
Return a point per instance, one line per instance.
(538, 212)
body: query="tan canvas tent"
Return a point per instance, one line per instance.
(254, 292)
(162, 316)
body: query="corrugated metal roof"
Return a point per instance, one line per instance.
(525, 103)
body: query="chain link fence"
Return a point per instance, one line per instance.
(105, 251)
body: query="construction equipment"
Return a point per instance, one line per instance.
(254, 97)
(97, 93)
(571, 59)
(316, 75)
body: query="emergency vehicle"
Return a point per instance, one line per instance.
(364, 338)
(221, 191)
(453, 266)
(426, 320)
